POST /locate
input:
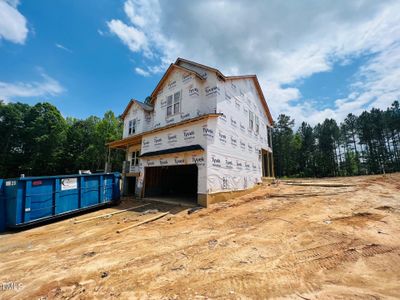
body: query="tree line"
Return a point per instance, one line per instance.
(38, 140)
(360, 145)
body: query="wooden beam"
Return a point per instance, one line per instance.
(110, 214)
(321, 184)
(143, 222)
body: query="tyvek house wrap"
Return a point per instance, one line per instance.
(193, 101)
(231, 158)
(173, 138)
(193, 104)
(234, 161)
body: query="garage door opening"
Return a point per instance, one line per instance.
(130, 184)
(176, 183)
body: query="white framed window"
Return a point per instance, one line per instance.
(135, 158)
(169, 105)
(251, 120)
(257, 125)
(174, 103)
(132, 127)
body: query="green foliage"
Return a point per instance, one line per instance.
(38, 140)
(368, 144)
(352, 164)
(284, 146)
(306, 157)
(44, 135)
(12, 141)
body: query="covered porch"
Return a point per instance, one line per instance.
(267, 164)
(130, 167)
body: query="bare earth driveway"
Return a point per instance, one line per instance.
(280, 241)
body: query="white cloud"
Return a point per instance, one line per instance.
(143, 34)
(142, 72)
(281, 41)
(376, 84)
(48, 86)
(12, 23)
(63, 47)
(130, 36)
(136, 19)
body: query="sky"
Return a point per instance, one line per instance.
(315, 59)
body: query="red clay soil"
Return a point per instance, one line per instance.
(281, 241)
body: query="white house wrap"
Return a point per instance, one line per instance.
(215, 125)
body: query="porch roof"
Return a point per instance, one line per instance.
(137, 138)
(173, 150)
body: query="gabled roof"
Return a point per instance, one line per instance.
(178, 65)
(145, 106)
(142, 105)
(259, 90)
(180, 60)
(166, 74)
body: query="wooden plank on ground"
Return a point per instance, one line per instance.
(110, 214)
(319, 184)
(143, 222)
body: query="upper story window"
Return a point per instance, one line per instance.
(251, 120)
(132, 127)
(174, 103)
(135, 158)
(257, 125)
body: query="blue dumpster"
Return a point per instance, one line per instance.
(2, 208)
(31, 200)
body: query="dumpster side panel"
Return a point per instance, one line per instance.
(67, 201)
(2, 207)
(13, 201)
(39, 195)
(116, 187)
(108, 187)
(90, 191)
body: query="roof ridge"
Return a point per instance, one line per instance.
(199, 65)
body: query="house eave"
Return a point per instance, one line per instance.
(142, 106)
(137, 139)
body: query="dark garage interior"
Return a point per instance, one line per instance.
(130, 184)
(175, 182)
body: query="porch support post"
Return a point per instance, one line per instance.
(272, 164)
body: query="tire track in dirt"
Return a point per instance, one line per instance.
(287, 278)
(281, 275)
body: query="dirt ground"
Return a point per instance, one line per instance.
(280, 241)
